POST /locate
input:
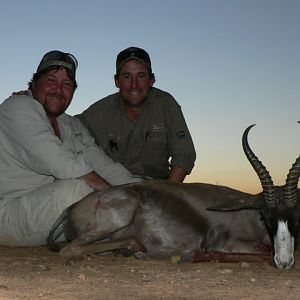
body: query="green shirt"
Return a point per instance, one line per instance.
(148, 146)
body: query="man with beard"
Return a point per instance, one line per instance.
(140, 126)
(48, 160)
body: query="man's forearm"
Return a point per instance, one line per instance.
(177, 174)
(95, 181)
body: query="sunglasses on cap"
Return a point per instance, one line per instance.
(58, 58)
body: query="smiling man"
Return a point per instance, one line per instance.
(48, 160)
(140, 126)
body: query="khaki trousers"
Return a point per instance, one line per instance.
(27, 220)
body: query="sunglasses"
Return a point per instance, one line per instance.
(59, 58)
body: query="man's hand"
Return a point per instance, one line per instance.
(21, 93)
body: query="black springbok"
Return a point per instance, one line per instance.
(161, 219)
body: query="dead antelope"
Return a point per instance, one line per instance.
(161, 219)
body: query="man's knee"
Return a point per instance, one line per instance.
(35, 212)
(67, 192)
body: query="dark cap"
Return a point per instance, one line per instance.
(58, 58)
(133, 53)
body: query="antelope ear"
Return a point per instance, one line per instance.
(250, 202)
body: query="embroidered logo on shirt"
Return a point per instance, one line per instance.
(157, 127)
(180, 134)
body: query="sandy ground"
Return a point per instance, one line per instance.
(37, 273)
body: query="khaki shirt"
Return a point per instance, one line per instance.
(148, 146)
(31, 155)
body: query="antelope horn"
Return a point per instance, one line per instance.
(291, 183)
(261, 171)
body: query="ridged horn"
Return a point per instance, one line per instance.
(261, 171)
(291, 183)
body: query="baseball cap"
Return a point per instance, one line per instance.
(59, 58)
(133, 53)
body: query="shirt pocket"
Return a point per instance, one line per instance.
(157, 143)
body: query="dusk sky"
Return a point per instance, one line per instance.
(228, 63)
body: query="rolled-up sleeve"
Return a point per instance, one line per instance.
(181, 145)
(113, 172)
